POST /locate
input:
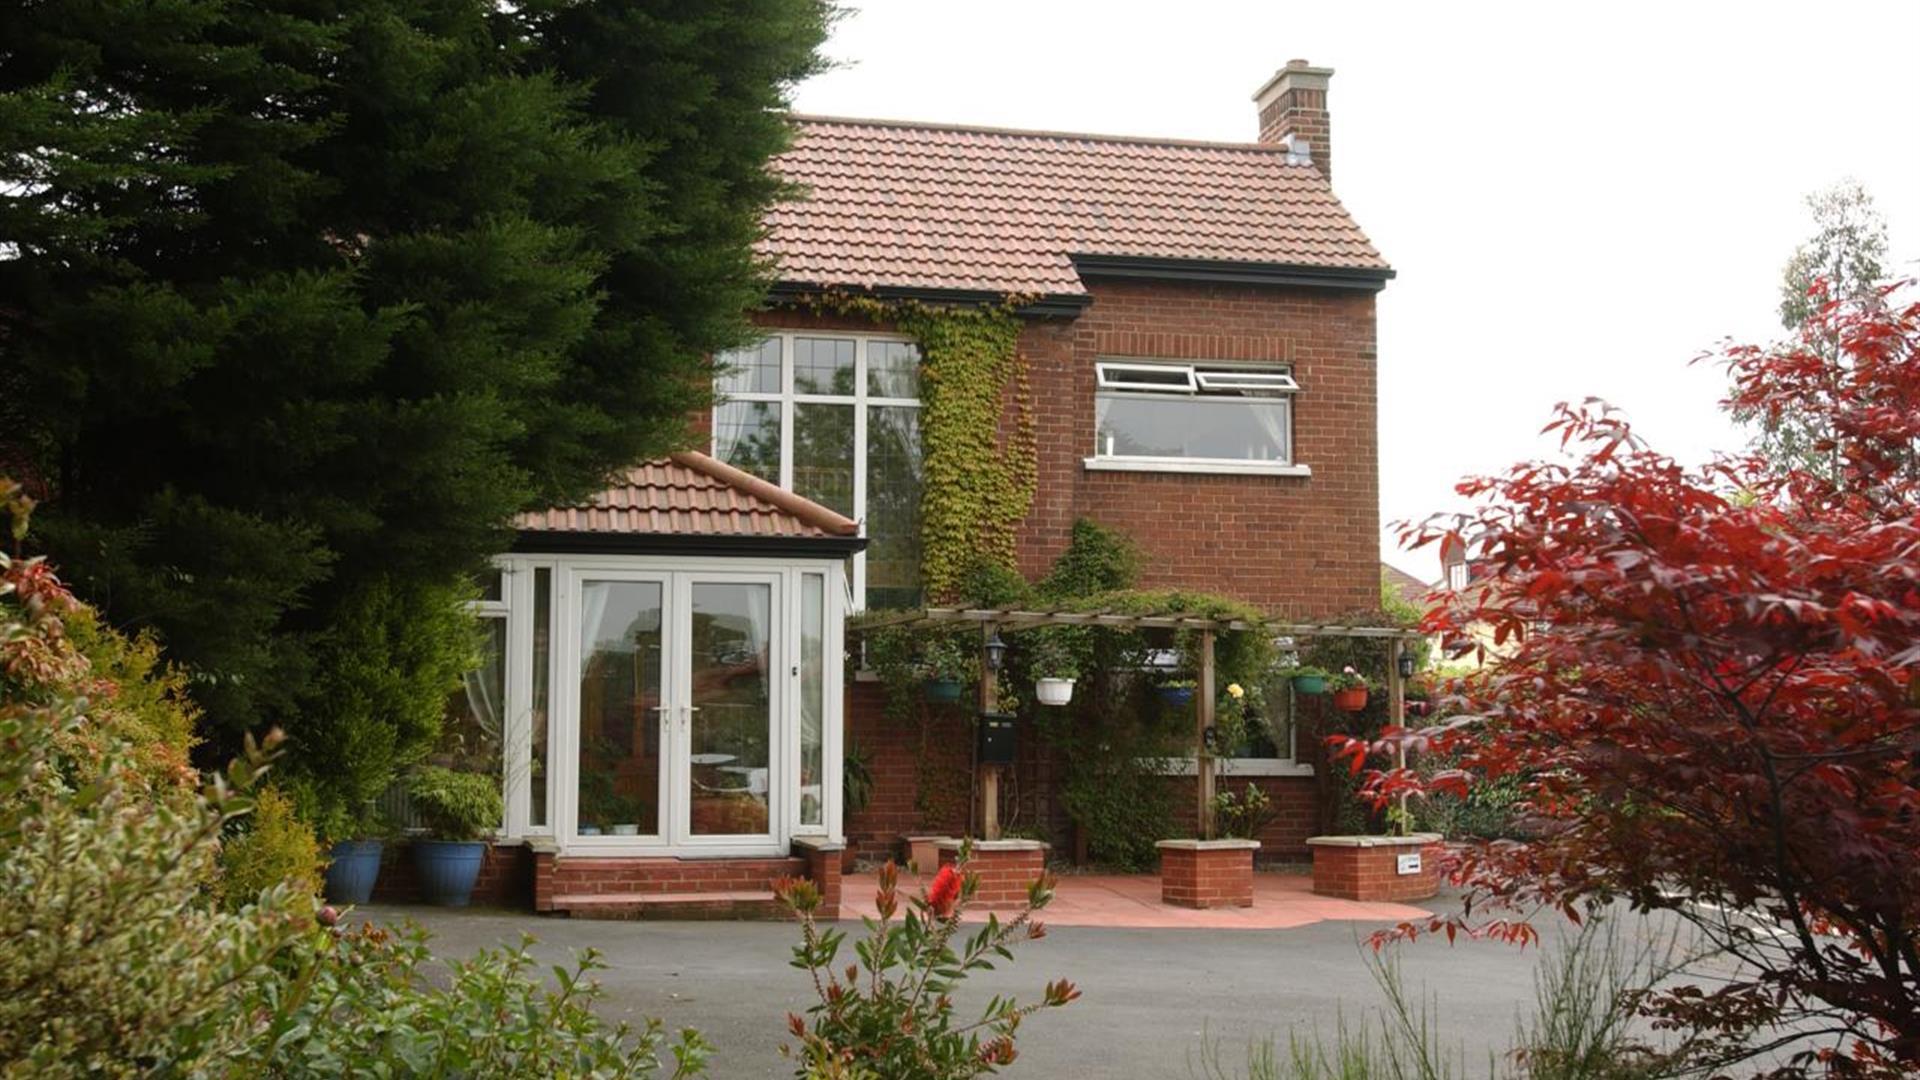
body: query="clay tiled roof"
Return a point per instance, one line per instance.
(922, 206)
(691, 494)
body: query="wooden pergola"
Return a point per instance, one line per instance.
(993, 620)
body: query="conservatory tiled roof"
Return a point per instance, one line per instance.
(691, 494)
(890, 204)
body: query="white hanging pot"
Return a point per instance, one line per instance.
(1053, 691)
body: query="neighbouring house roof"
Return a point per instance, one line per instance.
(920, 206)
(702, 503)
(1411, 589)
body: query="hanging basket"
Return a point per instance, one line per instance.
(1309, 685)
(1053, 691)
(1177, 696)
(942, 691)
(1353, 699)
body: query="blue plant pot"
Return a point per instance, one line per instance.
(352, 872)
(943, 691)
(1177, 696)
(1309, 685)
(448, 869)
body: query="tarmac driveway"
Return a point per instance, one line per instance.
(1151, 996)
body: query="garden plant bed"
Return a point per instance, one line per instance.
(1371, 868)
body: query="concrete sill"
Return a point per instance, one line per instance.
(1178, 465)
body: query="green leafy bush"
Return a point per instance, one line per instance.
(357, 1003)
(114, 961)
(892, 1015)
(272, 847)
(393, 654)
(455, 805)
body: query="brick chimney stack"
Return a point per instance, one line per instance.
(1293, 106)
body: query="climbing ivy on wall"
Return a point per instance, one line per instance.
(978, 464)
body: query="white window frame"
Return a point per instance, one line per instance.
(787, 398)
(563, 658)
(1112, 380)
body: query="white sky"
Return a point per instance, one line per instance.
(1577, 202)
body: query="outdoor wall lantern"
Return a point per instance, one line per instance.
(996, 651)
(1406, 665)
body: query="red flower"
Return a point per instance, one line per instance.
(944, 891)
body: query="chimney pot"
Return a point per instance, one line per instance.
(1293, 113)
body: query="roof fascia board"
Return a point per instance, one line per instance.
(1157, 268)
(544, 542)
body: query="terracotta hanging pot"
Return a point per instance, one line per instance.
(1352, 699)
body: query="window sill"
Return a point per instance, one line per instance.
(1233, 767)
(1179, 465)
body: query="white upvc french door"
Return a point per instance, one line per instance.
(679, 687)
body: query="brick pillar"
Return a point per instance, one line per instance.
(824, 863)
(1005, 869)
(1207, 873)
(1371, 867)
(544, 854)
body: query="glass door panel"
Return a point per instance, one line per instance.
(729, 747)
(622, 692)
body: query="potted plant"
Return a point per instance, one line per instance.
(944, 666)
(354, 866)
(1054, 670)
(1177, 693)
(626, 812)
(459, 811)
(1308, 680)
(1349, 690)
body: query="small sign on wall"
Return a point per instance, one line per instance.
(1407, 864)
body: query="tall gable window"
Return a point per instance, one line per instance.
(836, 418)
(1194, 417)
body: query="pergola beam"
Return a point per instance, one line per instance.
(1012, 619)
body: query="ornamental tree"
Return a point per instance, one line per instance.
(1711, 701)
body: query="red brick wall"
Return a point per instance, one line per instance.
(1300, 547)
(556, 877)
(1285, 837)
(894, 752)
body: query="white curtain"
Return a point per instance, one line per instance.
(1273, 424)
(484, 685)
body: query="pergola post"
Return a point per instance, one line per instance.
(989, 773)
(1397, 715)
(1203, 757)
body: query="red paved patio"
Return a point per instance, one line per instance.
(1280, 902)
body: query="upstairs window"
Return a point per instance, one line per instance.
(1197, 417)
(836, 418)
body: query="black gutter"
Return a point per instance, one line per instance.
(1232, 273)
(1054, 305)
(542, 542)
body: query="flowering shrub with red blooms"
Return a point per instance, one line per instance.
(944, 891)
(892, 1014)
(1711, 699)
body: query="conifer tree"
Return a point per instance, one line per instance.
(301, 300)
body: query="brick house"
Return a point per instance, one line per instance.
(1199, 332)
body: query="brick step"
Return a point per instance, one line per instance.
(727, 904)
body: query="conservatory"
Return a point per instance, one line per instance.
(666, 669)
